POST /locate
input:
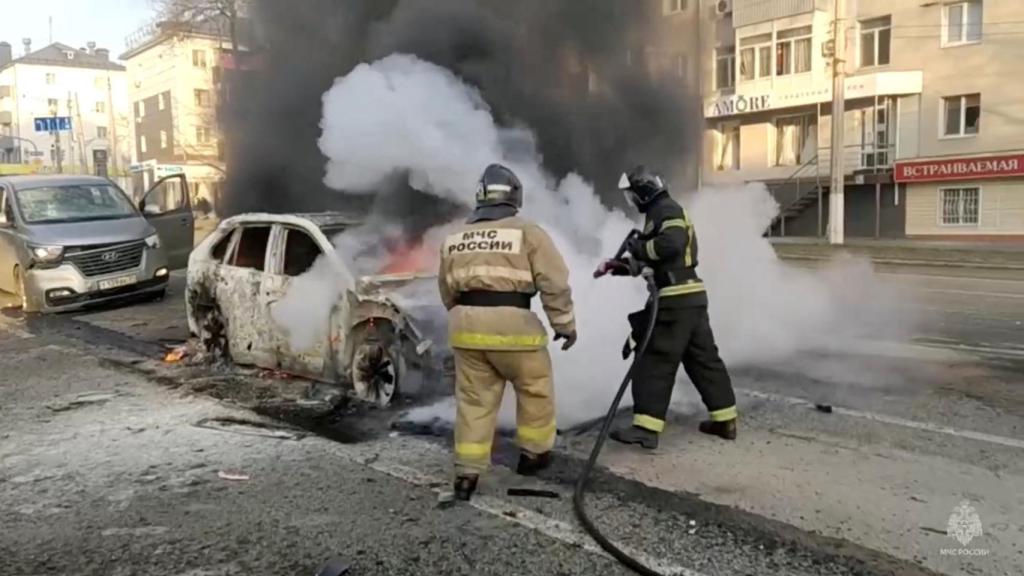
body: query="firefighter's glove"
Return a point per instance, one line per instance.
(570, 339)
(630, 267)
(613, 267)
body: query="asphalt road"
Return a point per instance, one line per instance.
(103, 471)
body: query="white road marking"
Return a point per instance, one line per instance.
(931, 277)
(927, 426)
(1012, 352)
(549, 527)
(971, 292)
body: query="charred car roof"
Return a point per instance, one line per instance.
(318, 219)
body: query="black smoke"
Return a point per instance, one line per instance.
(580, 73)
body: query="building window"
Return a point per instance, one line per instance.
(202, 135)
(143, 147)
(725, 67)
(960, 206)
(161, 101)
(875, 41)
(202, 98)
(673, 6)
(51, 78)
(874, 137)
(756, 57)
(727, 153)
(101, 107)
(961, 115)
(101, 132)
(199, 58)
(961, 23)
(51, 105)
(141, 105)
(796, 139)
(163, 139)
(793, 51)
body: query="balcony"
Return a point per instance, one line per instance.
(747, 12)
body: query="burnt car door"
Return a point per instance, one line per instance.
(239, 281)
(294, 254)
(167, 206)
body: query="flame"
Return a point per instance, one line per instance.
(405, 259)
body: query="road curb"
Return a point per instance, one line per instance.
(902, 262)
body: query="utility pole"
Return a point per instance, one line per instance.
(58, 151)
(112, 136)
(837, 199)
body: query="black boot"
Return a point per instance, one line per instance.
(636, 435)
(725, 429)
(465, 485)
(531, 464)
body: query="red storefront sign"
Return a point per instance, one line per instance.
(960, 169)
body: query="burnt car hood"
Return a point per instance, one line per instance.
(416, 296)
(90, 233)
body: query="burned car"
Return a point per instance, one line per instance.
(239, 277)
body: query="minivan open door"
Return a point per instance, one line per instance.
(167, 206)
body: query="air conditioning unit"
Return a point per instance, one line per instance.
(723, 7)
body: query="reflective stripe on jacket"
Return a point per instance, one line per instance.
(506, 255)
(670, 249)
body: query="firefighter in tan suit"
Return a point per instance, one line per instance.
(490, 270)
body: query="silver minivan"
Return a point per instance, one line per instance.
(70, 241)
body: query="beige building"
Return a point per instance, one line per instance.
(82, 86)
(925, 100)
(173, 73)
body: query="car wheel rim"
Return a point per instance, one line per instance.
(376, 377)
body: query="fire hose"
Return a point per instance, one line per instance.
(579, 495)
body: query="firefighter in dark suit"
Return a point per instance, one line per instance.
(682, 334)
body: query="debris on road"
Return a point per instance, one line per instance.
(176, 354)
(233, 475)
(251, 428)
(826, 408)
(531, 492)
(334, 567)
(445, 500)
(81, 400)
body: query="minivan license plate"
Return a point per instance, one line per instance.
(117, 282)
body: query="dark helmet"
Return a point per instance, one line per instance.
(642, 186)
(499, 186)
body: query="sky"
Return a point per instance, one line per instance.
(75, 22)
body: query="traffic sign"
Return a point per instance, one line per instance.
(53, 124)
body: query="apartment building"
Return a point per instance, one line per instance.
(81, 84)
(932, 146)
(174, 72)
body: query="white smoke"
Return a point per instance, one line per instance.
(403, 114)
